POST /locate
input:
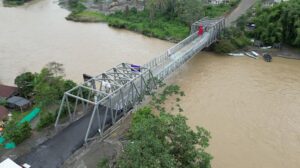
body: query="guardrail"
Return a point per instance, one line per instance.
(163, 57)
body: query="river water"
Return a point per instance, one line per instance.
(251, 108)
(37, 33)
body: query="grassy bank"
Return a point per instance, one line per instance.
(160, 27)
(166, 25)
(86, 16)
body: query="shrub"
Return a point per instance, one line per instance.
(17, 133)
(223, 46)
(170, 142)
(46, 120)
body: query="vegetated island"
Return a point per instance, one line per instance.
(166, 19)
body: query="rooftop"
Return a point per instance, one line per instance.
(7, 91)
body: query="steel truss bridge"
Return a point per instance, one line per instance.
(90, 109)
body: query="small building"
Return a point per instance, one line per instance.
(217, 2)
(270, 3)
(18, 102)
(3, 113)
(7, 91)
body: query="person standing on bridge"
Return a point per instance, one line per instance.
(200, 31)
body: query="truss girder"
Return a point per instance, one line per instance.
(107, 96)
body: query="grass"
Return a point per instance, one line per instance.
(160, 27)
(86, 16)
(219, 10)
(18, 115)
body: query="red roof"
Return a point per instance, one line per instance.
(3, 112)
(7, 91)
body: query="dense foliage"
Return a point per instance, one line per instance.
(279, 23)
(14, 2)
(233, 38)
(167, 19)
(17, 133)
(164, 19)
(164, 140)
(157, 139)
(161, 27)
(25, 83)
(47, 89)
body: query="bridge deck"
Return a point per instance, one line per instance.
(193, 45)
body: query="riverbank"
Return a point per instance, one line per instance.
(135, 18)
(13, 3)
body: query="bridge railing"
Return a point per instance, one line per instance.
(181, 60)
(163, 57)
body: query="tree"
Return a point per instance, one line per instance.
(164, 141)
(279, 23)
(17, 133)
(48, 88)
(25, 83)
(189, 11)
(56, 69)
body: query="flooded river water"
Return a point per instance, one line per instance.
(251, 108)
(37, 33)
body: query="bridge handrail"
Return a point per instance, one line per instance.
(179, 61)
(159, 60)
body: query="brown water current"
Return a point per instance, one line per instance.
(37, 33)
(251, 108)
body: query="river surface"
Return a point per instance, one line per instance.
(37, 33)
(251, 108)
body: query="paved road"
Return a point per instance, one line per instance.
(53, 152)
(240, 10)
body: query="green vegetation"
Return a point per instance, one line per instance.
(14, 2)
(170, 142)
(47, 89)
(79, 13)
(275, 24)
(15, 133)
(213, 11)
(25, 84)
(167, 19)
(164, 19)
(161, 27)
(46, 120)
(278, 24)
(86, 16)
(233, 38)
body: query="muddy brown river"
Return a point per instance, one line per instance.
(37, 33)
(251, 108)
